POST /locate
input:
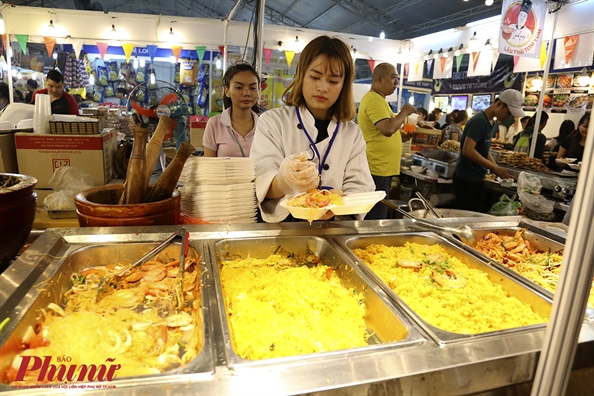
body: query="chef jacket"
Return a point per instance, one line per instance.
(279, 135)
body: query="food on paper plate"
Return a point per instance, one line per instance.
(316, 199)
(445, 292)
(531, 100)
(137, 325)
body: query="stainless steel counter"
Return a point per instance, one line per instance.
(473, 365)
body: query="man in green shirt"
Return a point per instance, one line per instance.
(380, 129)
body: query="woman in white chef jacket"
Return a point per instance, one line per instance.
(312, 142)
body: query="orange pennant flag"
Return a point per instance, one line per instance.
(442, 63)
(569, 43)
(49, 45)
(475, 58)
(371, 64)
(176, 50)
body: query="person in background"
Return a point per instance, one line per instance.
(4, 96)
(523, 141)
(435, 115)
(312, 142)
(573, 145)
(381, 131)
(31, 87)
(423, 114)
(565, 129)
(454, 130)
(501, 133)
(475, 158)
(122, 95)
(231, 134)
(448, 121)
(61, 102)
(515, 128)
(18, 96)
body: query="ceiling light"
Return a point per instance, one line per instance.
(488, 42)
(447, 54)
(399, 51)
(172, 59)
(219, 63)
(51, 24)
(583, 79)
(435, 56)
(426, 57)
(488, 2)
(153, 78)
(135, 64)
(171, 31)
(537, 83)
(382, 35)
(142, 63)
(113, 29)
(55, 55)
(458, 51)
(298, 45)
(92, 79)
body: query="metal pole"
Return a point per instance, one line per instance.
(8, 51)
(225, 26)
(569, 304)
(259, 31)
(401, 87)
(545, 76)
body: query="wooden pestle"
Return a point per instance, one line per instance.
(166, 183)
(135, 186)
(154, 146)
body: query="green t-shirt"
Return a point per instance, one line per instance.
(383, 152)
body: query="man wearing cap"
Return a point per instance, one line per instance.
(62, 102)
(522, 34)
(475, 158)
(380, 128)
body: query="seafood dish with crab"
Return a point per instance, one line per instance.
(542, 267)
(443, 290)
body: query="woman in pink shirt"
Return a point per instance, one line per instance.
(231, 133)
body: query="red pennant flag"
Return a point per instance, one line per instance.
(475, 58)
(516, 60)
(267, 55)
(406, 66)
(4, 38)
(222, 49)
(176, 51)
(49, 45)
(442, 63)
(102, 49)
(371, 64)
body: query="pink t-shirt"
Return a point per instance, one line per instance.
(219, 136)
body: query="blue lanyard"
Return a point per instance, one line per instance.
(315, 149)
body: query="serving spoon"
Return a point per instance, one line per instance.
(464, 234)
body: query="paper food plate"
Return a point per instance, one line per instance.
(353, 204)
(577, 166)
(565, 160)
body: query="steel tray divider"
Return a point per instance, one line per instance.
(438, 335)
(236, 362)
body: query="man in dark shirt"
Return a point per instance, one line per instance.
(31, 88)
(62, 102)
(475, 158)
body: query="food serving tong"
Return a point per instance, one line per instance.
(114, 282)
(464, 234)
(425, 203)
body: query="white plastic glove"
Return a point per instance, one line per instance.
(297, 174)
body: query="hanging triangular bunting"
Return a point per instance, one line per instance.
(442, 64)
(222, 49)
(4, 38)
(77, 46)
(371, 64)
(128, 47)
(516, 60)
(458, 62)
(22, 39)
(429, 64)
(176, 51)
(474, 59)
(289, 55)
(49, 45)
(102, 47)
(543, 53)
(495, 58)
(267, 55)
(200, 50)
(152, 51)
(406, 66)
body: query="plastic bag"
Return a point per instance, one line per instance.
(529, 183)
(529, 192)
(67, 181)
(505, 207)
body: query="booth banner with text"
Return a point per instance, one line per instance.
(522, 24)
(499, 80)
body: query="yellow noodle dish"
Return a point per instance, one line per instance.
(316, 199)
(136, 330)
(445, 292)
(515, 252)
(286, 305)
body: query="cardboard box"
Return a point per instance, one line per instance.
(197, 130)
(39, 155)
(8, 160)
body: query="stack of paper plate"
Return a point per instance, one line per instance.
(219, 189)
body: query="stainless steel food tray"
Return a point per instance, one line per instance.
(56, 280)
(388, 324)
(539, 303)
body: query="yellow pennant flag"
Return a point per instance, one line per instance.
(128, 50)
(417, 68)
(289, 55)
(543, 53)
